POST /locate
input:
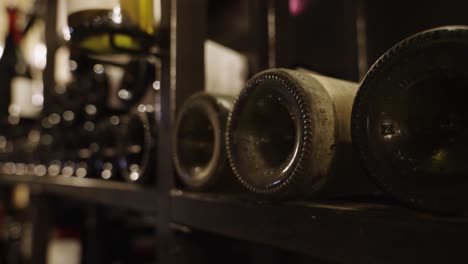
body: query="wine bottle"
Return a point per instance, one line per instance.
(17, 100)
(105, 158)
(25, 152)
(113, 26)
(288, 135)
(137, 154)
(52, 143)
(71, 138)
(8, 63)
(48, 147)
(84, 147)
(139, 75)
(83, 156)
(6, 149)
(410, 121)
(199, 148)
(129, 79)
(21, 98)
(88, 85)
(114, 83)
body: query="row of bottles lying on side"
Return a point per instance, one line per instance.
(294, 134)
(291, 133)
(99, 118)
(111, 148)
(99, 121)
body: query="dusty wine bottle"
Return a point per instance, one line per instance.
(288, 135)
(410, 120)
(137, 147)
(199, 151)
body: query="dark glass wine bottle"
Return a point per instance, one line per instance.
(89, 85)
(199, 147)
(8, 62)
(410, 120)
(137, 155)
(17, 107)
(25, 152)
(138, 77)
(105, 158)
(69, 156)
(84, 148)
(288, 135)
(20, 102)
(52, 146)
(113, 83)
(48, 147)
(113, 26)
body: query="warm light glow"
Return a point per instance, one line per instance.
(106, 174)
(40, 56)
(38, 100)
(66, 33)
(142, 108)
(115, 120)
(156, 85)
(54, 170)
(81, 172)
(134, 176)
(124, 94)
(9, 168)
(91, 109)
(98, 68)
(67, 171)
(54, 118)
(116, 15)
(40, 170)
(68, 115)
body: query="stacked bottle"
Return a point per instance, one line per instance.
(199, 149)
(410, 121)
(289, 134)
(99, 120)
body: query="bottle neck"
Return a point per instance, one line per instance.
(13, 32)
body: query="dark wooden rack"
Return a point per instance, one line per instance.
(116, 194)
(338, 232)
(331, 231)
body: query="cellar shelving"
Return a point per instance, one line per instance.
(332, 231)
(117, 194)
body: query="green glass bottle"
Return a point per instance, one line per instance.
(199, 153)
(288, 136)
(410, 120)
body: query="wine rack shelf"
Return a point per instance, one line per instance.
(335, 232)
(117, 194)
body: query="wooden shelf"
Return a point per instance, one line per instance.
(117, 194)
(335, 232)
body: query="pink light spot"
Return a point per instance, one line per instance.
(296, 7)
